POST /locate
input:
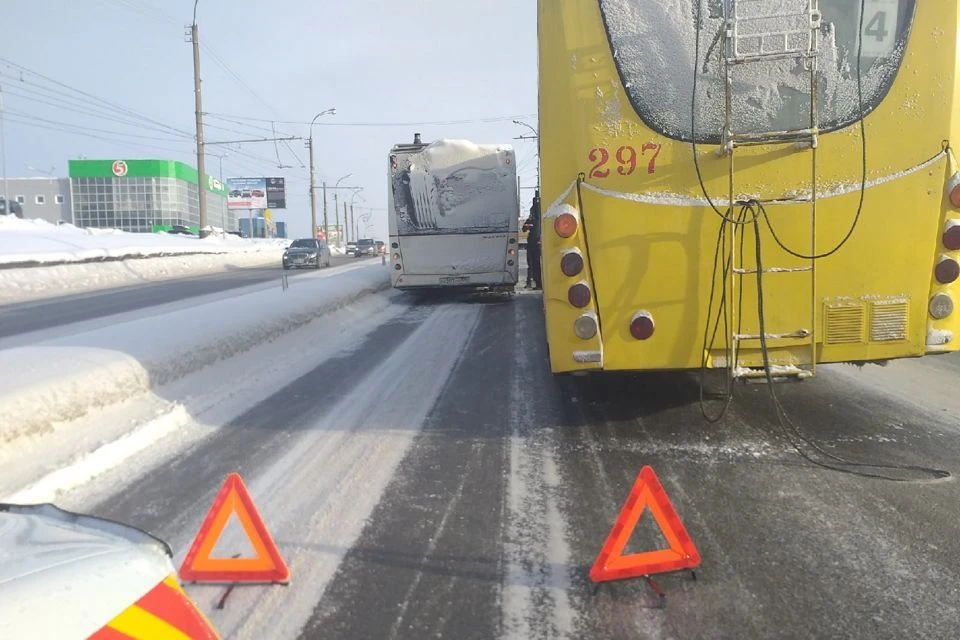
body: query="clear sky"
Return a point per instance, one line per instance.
(384, 65)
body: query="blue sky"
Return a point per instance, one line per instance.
(381, 63)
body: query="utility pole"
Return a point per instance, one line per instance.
(313, 183)
(353, 221)
(326, 227)
(313, 192)
(201, 165)
(336, 206)
(8, 208)
(345, 223)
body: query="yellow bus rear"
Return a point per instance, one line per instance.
(647, 267)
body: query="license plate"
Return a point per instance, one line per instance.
(453, 279)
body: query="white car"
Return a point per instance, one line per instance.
(64, 575)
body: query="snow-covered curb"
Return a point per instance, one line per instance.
(35, 283)
(64, 379)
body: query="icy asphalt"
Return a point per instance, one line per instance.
(432, 479)
(26, 317)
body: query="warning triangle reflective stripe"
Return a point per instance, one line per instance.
(611, 564)
(199, 565)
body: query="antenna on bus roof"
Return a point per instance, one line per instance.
(416, 138)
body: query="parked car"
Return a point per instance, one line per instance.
(306, 252)
(179, 229)
(365, 247)
(351, 249)
(69, 575)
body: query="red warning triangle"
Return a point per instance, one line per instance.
(682, 554)
(266, 566)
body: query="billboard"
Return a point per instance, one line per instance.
(256, 193)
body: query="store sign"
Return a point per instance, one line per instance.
(119, 168)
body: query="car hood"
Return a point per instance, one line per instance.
(88, 569)
(302, 250)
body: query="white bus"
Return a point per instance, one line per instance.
(453, 208)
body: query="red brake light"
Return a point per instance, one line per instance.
(571, 264)
(951, 235)
(947, 270)
(579, 295)
(641, 326)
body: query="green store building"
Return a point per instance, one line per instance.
(144, 196)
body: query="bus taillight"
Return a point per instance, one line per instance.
(565, 225)
(579, 295)
(953, 189)
(947, 270)
(585, 326)
(571, 263)
(951, 235)
(641, 325)
(941, 305)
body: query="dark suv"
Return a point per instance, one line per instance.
(366, 247)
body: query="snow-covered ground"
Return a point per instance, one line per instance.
(39, 259)
(52, 381)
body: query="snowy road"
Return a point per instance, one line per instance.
(425, 476)
(17, 319)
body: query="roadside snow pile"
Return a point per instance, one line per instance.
(23, 284)
(66, 378)
(38, 242)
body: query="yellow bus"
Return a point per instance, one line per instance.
(747, 184)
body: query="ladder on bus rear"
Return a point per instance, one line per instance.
(765, 32)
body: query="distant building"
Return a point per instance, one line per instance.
(43, 198)
(144, 196)
(259, 225)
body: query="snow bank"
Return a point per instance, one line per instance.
(65, 378)
(38, 242)
(33, 283)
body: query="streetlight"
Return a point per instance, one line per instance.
(536, 135)
(336, 206)
(313, 184)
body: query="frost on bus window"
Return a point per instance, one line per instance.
(453, 187)
(653, 46)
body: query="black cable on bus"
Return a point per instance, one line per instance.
(788, 426)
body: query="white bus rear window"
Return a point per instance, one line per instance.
(653, 44)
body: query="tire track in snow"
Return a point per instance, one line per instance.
(536, 603)
(316, 498)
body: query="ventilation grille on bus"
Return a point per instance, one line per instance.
(889, 320)
(844, 323)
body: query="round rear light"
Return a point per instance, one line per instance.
(565, 225)
(941, 306)
(585, 327)
(396, 256)
(395, 245)
(512, 251)
(951, 235)
(509, 263)
(397, 267)
(571, 264)
(641, 326)
(513, 241)
(947, 270)
(953, 190)
(579, 295)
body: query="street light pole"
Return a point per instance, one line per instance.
(353, 229)
(3, 160)
(313, 179)
(201, 165)
(326, 227)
